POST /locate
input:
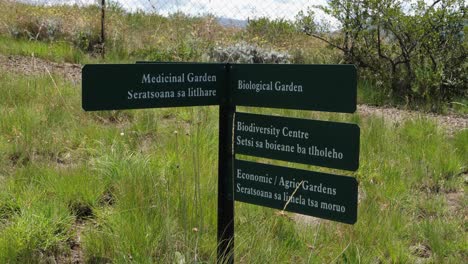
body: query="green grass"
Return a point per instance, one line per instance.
(60, 51)
(133, 37)
(141, 36)
(371, 93)
(142, 184)
(459, 105)
(140, 181)
(55, 51)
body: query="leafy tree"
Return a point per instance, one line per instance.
(415, 50)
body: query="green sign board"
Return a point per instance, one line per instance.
(316, 194)
(327, 144)
(133, 86)
(330, 88)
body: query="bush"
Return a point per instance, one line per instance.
(247, 53)
(271, 30)
(43, 29)
(86, 40)
(419, 55)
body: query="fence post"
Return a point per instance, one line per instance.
(103, 36)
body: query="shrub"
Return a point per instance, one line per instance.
(86, 40)
(43, 29)
(247, 53)
(271, 30)
(419, 54)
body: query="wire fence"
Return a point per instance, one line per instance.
(94, 24)
(239, 9)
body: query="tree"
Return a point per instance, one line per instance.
(417, 50)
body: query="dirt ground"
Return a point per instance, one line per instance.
(450, 122)
(36, 66)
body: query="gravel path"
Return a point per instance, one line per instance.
(35, 66)
(450, 122)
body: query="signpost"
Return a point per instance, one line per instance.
(330, 88)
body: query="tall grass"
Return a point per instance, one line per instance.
(57, 51)
(142, 185)
(48, 32)
(143, 36)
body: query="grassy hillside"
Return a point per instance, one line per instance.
(48, 32)
(141, 36)
(141, 186)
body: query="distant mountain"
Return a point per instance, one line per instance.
(231, 22)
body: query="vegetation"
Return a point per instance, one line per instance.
(416, 61)
(414, 51)
(140, 186)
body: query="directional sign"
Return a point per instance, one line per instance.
(327, 144)
(329, 88)
(132, 86)
(317, 194)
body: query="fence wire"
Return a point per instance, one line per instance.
(83, 22)
(236, 10)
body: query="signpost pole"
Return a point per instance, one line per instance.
(225, 177)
